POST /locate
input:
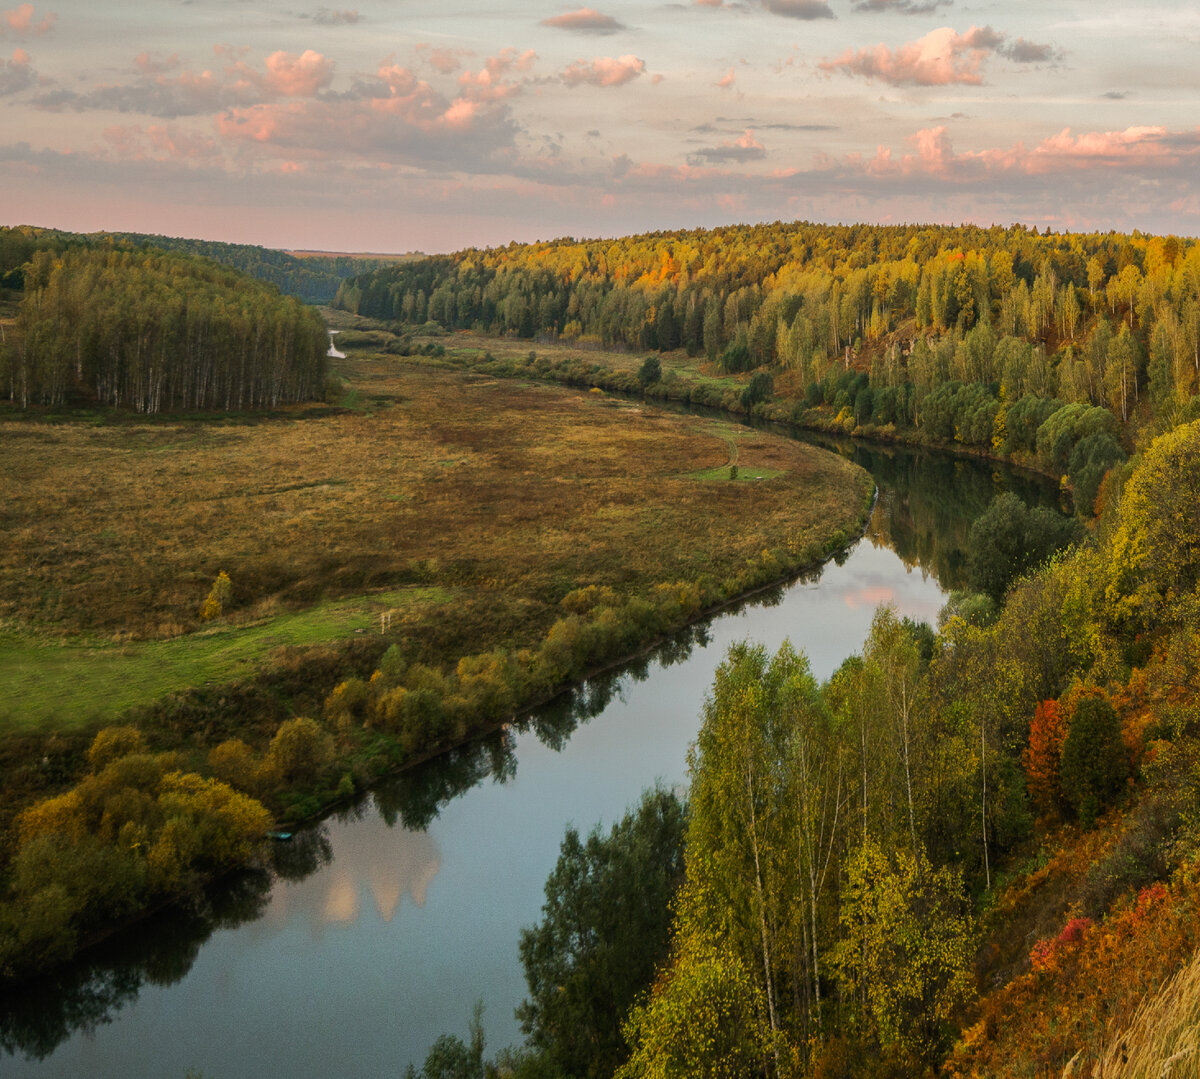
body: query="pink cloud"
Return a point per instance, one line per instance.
(489, 84)
(20, 21)
(586, 20)
(298, 76)
(726, 81)
(604, 71)
(1136, 147)
(460, 113)
(258, 123)
(397, 116)
(444, 61)
(940, 58)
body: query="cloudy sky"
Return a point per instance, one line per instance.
(438, 124)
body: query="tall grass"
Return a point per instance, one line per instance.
(1162, 1040)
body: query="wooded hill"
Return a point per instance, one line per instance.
(942, 330)
(155, 331)
(313, 277)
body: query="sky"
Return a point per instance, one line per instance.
(434, 125)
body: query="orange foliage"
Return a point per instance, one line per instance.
(1043, 756)
(1083, 985)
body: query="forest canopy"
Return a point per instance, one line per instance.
(155, 331)
(957, 332)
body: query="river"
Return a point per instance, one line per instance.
(382, 926)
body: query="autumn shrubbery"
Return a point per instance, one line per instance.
(137, 829)
(424, 709)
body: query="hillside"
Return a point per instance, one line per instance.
(155, 331)
(312, 276)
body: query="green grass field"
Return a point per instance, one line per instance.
(75, 685)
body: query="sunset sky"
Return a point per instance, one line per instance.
(438, 124)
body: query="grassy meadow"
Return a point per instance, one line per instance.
(461, 508)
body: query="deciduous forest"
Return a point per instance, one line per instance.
(971, 851)
(155, 332)
(965, 335)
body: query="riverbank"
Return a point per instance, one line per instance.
(483, 544)
(682, 380)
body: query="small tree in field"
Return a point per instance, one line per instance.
(219, 597)
(650, 372)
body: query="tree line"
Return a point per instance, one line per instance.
(155, 331)
(1108, 320)
(313, 278)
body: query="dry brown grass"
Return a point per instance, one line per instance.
(523, 491)
(1162, 1040)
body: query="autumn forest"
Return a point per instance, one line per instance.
(971, 850)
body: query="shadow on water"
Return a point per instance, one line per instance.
(924, 511)
(40, 1015)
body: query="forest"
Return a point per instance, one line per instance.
(962, 335)
(970, 852)
(156, 332)
(312, 277)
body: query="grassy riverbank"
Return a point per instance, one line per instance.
(684, 380)
(407, 568)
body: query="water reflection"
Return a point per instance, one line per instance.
(928, 501)
(40, 1015)
(389, 862)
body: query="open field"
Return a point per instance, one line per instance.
(500, 495)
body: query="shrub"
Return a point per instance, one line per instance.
(1094, 765)
(113, 743)
(299, 751)
(650, 372)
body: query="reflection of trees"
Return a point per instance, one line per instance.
(928, 501)
(40, 1015)
(306, 852)
(416, 797)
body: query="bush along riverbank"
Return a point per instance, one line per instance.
(154, 813)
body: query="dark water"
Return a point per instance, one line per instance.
(380, 928)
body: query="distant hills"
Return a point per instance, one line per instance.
(313, 276)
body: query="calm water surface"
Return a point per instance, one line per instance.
(399, 916)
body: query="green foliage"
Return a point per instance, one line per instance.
(451, 1058)
(1063, 430)
(759, 388)
(1008, 540)
(602, 936)
(650, 372)
(1094, 762)
(706, 1018)
(155, 332)
(906, 947)
(1090, 461)
(1155, 558)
